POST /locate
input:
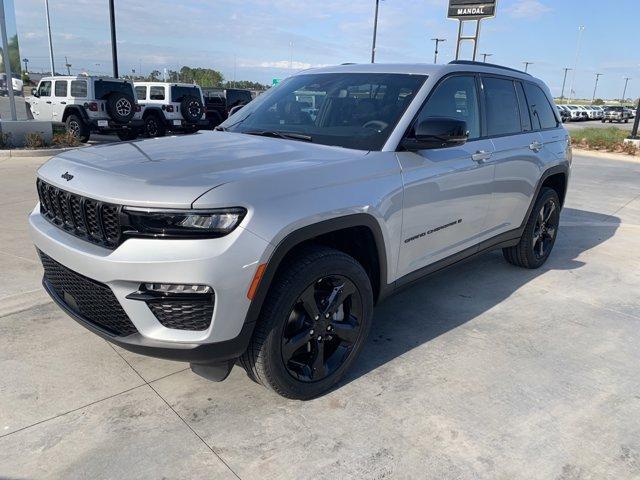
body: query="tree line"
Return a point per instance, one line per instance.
(205, 77)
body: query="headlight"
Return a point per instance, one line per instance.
(181, 223)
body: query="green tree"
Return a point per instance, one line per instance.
(598, 101)
(154, 76)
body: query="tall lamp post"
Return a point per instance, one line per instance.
(624, 92)
(26, 64)
(437, 41)
(114, 46)
(598, 75)
(564, 82)
(375, 33)
(51, 63)
(575, 65)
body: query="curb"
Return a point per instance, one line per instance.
(40, 152)
(623, 157)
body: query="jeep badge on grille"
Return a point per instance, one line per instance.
(67, 176)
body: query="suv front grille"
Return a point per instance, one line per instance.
(93, 301)
(94, 221)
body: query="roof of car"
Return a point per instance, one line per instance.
(84, 77)
(176, 84)
(420, 68)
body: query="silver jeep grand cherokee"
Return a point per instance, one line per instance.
(270, 240)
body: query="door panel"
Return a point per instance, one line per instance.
(44, 103)
(446, 200)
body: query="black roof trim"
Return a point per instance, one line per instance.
(483, 64)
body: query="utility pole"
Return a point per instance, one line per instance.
(624, 92)
(598, 75)
(114, 46)
(375, 33)
(290, 55)
(7, 63)
(51, 63)
(564, 82)
(575, 65)
(437, 40)
(526, 66)
(26, 64)
(68, 65)
(485, 55)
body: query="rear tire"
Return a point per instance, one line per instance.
(305, 338)
(539, 234)
(76, 126)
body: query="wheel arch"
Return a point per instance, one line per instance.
(152, 111)
(358, 235)
(74, 109)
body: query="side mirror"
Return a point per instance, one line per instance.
(34, 92)
(233, 110)
(438, 132)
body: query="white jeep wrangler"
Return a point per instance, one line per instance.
(170, 106)
(87, 105)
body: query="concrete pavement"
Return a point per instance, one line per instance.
(485, 371)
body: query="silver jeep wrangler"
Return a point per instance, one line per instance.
(269, 241)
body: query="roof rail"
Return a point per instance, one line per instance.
(483, 64)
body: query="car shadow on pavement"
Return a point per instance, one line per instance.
(457, 295)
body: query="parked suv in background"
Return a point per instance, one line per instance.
(87, 105)
(271, 240)
(565, 113)
(219, 102)
(16, 83)
(170, 106)
(616, 114)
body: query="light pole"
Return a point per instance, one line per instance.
(526, 66)
(51, 63)
(598, 75)
(290, 55)
(375, 33)
(564, 82)
(26, 64)
(575, 65)
(437, 40)
(624, 92)
(114, 46)
(485, 55)
(68, 65)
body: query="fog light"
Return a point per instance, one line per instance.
(171, 288)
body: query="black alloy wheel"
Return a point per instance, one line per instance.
(322, 329)
(545, 229)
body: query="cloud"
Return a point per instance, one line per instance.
(529, 9)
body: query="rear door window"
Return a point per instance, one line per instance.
(141, 93)
(60, 88)
(79, 88)
(541, 111)
(156, 93)
(178, 93)
(502, 110)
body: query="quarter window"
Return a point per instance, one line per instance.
(156, 93)
(503, 114)
(79, 88)
(44, 90)
(60, 88)
(540, 108)
(525, 119)
(456, 97)
(141, 93)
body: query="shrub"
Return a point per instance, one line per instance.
(5, 140)
(65, 139)
(34, 140)
(610, 139)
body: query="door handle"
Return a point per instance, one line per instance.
(535, 146)
(481, 156)
(63, 103)
(48, 101)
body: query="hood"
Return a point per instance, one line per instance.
(172, 172)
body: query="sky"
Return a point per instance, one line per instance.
(265, 39)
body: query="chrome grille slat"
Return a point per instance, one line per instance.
(91, 220)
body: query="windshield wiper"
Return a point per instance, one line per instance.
(277, 134)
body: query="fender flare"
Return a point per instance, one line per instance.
(77, 110)
(309, 232)
(152, 111)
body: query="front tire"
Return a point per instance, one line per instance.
(313, 324)
(539, 235)
(76, 126)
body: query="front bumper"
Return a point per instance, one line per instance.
(227, 264)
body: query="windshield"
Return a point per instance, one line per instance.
(351, 110)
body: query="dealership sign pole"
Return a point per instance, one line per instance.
(472, 11)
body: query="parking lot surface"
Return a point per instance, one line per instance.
(485, 371)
